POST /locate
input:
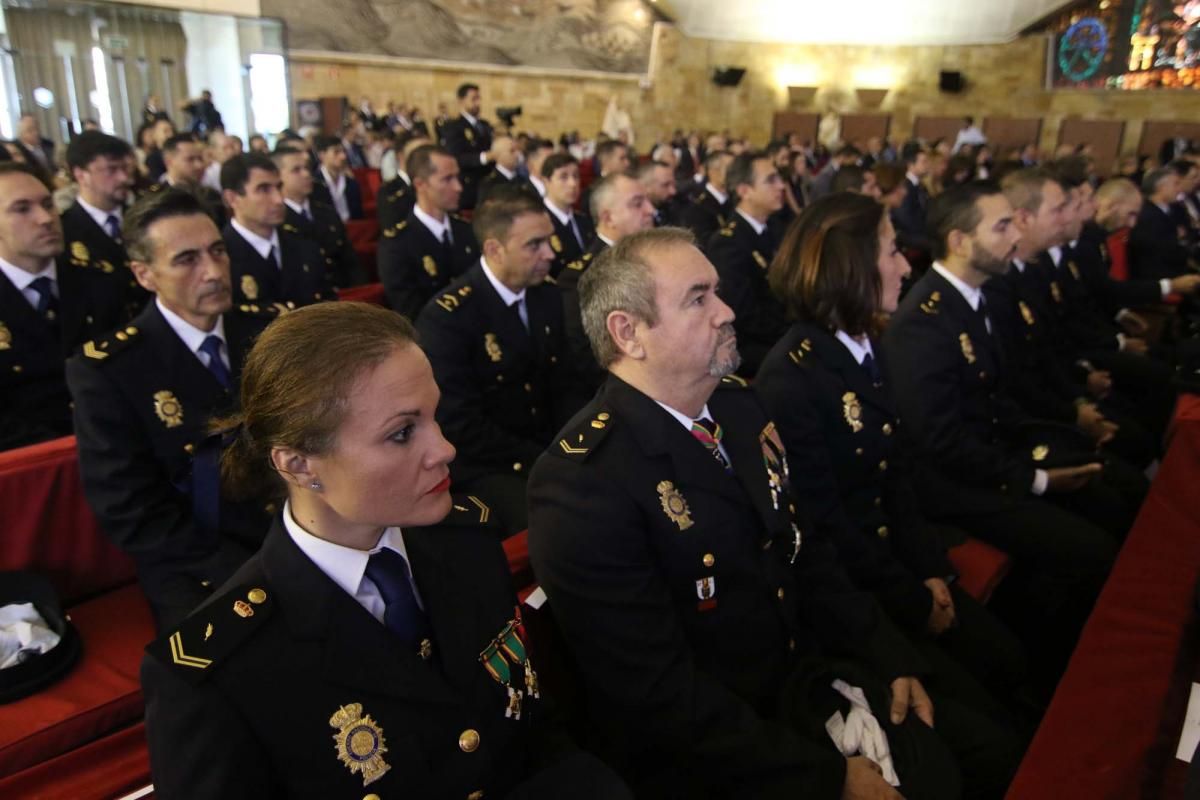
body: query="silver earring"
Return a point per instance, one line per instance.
(315, 485)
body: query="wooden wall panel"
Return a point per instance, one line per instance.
(788, 122)
(1005, 133)
(1155, 132)
(931, 128)
(857, 128)
(1103, 135)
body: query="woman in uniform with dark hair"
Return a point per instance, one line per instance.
(838, 273)
(373, 646)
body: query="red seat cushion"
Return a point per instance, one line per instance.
(48, 527)
(110, 767)
(367, 293)
(516, 549)
(980, 567)
(102, 693)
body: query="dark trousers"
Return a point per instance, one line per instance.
(1144, 381)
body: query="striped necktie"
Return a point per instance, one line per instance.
(709, 433)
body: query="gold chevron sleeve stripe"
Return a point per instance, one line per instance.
(90, 351)
(484, 511)
(571, 450)
(183, 659)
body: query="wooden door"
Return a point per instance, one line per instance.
(1103, 135)
(789, 122)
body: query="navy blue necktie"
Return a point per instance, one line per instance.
(388, 570)
(868, 363)
(212, 346)
(113, 226)
(47, 305)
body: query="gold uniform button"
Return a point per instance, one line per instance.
(709, 559)
(779, 593)
(371, 797)
(883, 466)
(132, 331)
(529, 387)
(476, 795)
(468, 740)
(858, 451)
(517, 467)
(189, 448)
(882, 531)
(878, 501)
(983, 375)
(887, 429)
(766, 545)
(17, 368)
(257, 596)
(122, 336)
(603, 416)
(791, 645)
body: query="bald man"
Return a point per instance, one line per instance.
(505, 158)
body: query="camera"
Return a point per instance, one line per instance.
(508, 115)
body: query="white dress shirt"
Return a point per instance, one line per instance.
(686, 422)
(859, 348)
(436, 227)
(507, 296)
(337, 189)
(21, 279)
(193, 337)
(346, 566)
(758, 227)
(101, 217)
(303, 209)
(718, 195)
(261, 246)
(537, 184)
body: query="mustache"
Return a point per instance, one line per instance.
(725, 333)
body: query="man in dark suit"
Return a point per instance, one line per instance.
(183, 157)
(742, 251)
(1156, 249)
(431, 246)
(316, 220)
(948, 371)
(396, 197)
(909, 218)
(494, 337)
(505, 160)
(270, 264)
(620, 208)
(707, 209)
(612, 156)
(658, 180)
(92, 224)
(335, 185)
(42, 149)
(573, 233)
(469, 139)
(49, 306)
(144, 396)
(702, 609)
(536, 153)
(844, 157)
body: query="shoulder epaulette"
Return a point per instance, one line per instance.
(584, 437)
(101, 349)
(728, 229)
(268, 311)
(468, 510)
(450, 301)
(798, 355)
(201, 642)
(289, 228)
(395, 229)
(734, 382)
(698, 197)
(580, 263)
(930, 305)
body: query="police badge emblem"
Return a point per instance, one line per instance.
(1040, 452)
(1026, 313)
(359, 743)
(168, 408)
(492, 347)
(555, 243)
(852, 411)
(79, 252)
(5, 337)
(674, 506)
(759, 259)
(249, 287)
(968, 349)
(430, 266)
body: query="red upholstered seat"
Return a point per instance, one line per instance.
(101, 694)
(364, 238)
(516, 548)
(110, 767)
(980, 567)
(48, 527)
(369, 181)
(367, 293)
(1118, 251)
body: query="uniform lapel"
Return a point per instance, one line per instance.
(835, 356)
(745, 448)
(180, 367)
(504, 319)
(20, 317)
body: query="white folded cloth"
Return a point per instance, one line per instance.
(859, 733)
(23, 634)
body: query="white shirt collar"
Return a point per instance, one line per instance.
(1056, 254)
(21, 279)
(537, 184)
(684, 419)
(404, 176)
(507, 295)
(563, 216)
(101, 217)
(338, 186)
(859, 348)
(507, 173)
(604, 238)
(472, 121)
(718, 195)
(261, 246)
(192, 336)
(345, 566)
(299, 208)
(1018, 265)
(758, 227)
(971, 294)
(913, 179)
(435, 226)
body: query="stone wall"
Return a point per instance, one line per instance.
(1002, 80)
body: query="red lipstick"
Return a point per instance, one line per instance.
(443, 486)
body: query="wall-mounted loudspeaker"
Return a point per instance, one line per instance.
(951, 81)
(728, 76)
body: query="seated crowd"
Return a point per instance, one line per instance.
(743, 402)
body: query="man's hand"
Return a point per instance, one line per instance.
(909, 693)
(1068, 479)
(864, 781)
(941, 617)
(1099, 383)
(1091, 421)
(1134, 324)
(1135, 345)
(1185, 284)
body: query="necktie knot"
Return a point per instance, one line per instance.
(709, 434)
(402, 615)
(212, 348)
(872, 368)
(47, 304)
